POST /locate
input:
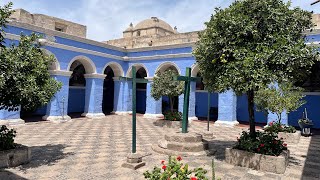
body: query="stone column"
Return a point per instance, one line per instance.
(227, 109)
(94, 95)
(57, 108)
(154, 107)
(122, 100)
(10, 117)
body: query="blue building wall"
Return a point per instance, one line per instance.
(76, 100)
(243, 114)
(202, 103)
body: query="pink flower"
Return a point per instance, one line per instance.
(162, 162)
(261, 145)
(270, 123)
(284, 144)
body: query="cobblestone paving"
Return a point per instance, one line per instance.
(96, 148)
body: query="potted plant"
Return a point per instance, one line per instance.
(279, 98)
(12, 154)
(305, 123)
(164, 85)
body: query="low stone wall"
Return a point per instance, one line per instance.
(274, 164)
(15, 157)
(290, 138)
(168, 124)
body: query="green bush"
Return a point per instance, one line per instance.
(276, 127)
(264, 143)
(7, 138)
(175, 170)
(173, 116)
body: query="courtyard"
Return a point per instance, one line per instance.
(95, 149)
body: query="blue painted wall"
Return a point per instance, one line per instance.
(202, 103)
(243, 114)
(141, 100)
(313, 109)
(76, 100)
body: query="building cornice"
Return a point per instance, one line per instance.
(96, 76)
(167, 56)
(60, 73)
(172, 46)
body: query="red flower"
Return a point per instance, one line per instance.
(261, 145)
(179, 158)
(258, 149)
(270, 123)
(162, 162)
(284, 144)
(193, 178)
(164, 167)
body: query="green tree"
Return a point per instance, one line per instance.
(251, 44)
(278, 98)
(164, 85)
(24, 75)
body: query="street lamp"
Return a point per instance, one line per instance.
(317, 1)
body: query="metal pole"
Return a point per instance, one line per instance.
(209, 104)
(186, 101)
(134, 137)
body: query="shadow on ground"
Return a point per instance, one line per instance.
(7, 175)
(311, 167)
(46, 155)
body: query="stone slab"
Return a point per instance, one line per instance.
(133, 166)
(160, 150)
(187, 147)
(183, 137)
(274, 164)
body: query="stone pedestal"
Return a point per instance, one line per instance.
(134, 161)
(182, 144)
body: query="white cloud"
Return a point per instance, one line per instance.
(106, 19)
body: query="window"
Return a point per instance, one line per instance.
(138, 33)
(60, 27)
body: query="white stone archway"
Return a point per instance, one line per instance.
(116, 68)
(166, 65)
(195, 70)
(88, 64)
(55, 66)
(138, 66)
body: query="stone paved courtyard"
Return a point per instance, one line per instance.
(96, 148)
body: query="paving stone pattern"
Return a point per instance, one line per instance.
(95, 149)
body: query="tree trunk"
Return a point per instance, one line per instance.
(250, 95)
(171, 103)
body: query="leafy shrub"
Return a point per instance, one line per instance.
(275, 127)
(173, 116)
(175, 170)
(7, 138)
(263, 143)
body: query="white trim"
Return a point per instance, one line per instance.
(153, 116)
(56, 119)
(166, 56)
(226, 123)
(93, 115)
(315, 43)
(60, 73)
(123, 113)
(202, 91)
(88, 64)
(195, 70)
(77, 87)
(311, 93)
(162, 47)
(116, 68)
(56, 61)
(138, 65)
(96, 53)
(169, 63)
(96, 76)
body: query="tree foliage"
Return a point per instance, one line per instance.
(24, 75)
(164, 85)
(251, 44)
(278, 98)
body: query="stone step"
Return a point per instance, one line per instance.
(183, 137)
(187, 147)
(160, 150)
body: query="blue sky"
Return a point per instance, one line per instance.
(106, 19)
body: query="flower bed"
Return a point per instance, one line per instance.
(171, 120)
(288, 133)
(11, 154)
(264, 152)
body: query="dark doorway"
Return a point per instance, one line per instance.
(141, 91)
(108, 91)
